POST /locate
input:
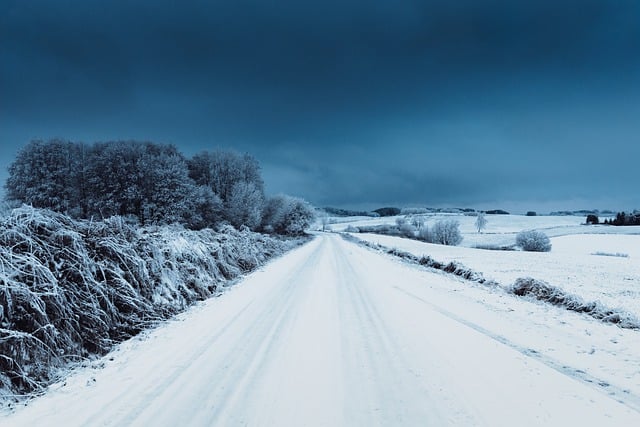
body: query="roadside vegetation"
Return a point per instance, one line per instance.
(104, 240)
(443, 232)
(150, 184)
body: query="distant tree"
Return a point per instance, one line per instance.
(532, 213)
(405, 228)
(347, 212)
(447, 232)
(592, 219)
(324, 219)
(417, 221)
(481, 222)
(621, 219)
(388, 211)
(497, 212)
(624, 218)
(426, 235)
(533, 241)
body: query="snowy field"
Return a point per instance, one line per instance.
(597, 263)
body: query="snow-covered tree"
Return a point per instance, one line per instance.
(203, 208)
(151, 182)
(49, 174)
(447, 232)
(244, 205)
(481, 222)
(417, 221)
(236, 179)
(221, 170)
(146, 180)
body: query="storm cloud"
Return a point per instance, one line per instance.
(346, 103)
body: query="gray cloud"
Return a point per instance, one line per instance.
(345, 102)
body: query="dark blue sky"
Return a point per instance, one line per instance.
(483, 103)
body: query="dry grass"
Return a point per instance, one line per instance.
(70, 290)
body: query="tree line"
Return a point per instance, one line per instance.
(622, 218)
(152, 183)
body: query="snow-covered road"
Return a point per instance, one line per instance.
(332, 334)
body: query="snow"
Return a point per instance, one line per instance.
(336, 334)
(571, 265)
(501, 230)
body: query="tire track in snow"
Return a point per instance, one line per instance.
(325, 336)
(619, 394)
(243, 361)
(264, 327)
(376, 351)
(602, 386)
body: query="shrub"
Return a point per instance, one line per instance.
(425, 234)
(287, 215)
(533, 241)
(405, 228)
(592, 219)
(447, 232)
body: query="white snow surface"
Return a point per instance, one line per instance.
(334, 334)
(571, 265)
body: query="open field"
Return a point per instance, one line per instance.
(596, 263)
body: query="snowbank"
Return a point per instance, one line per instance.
(70, 290)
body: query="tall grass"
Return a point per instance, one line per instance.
(70, 290)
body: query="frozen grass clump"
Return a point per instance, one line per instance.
(70, 290)
(542, 291)
(616, 254)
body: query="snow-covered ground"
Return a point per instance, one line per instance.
(597, 263)
(336, 334)
(501, 230)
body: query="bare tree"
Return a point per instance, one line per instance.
(481, 222)
(447, 232)
(417, 221)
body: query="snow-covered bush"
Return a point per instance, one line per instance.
(425, 234)
(533, 241)
(287, 215)
(446, 232)
(72, 289)
(405, 228)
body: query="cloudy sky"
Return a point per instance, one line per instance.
(493, 103)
